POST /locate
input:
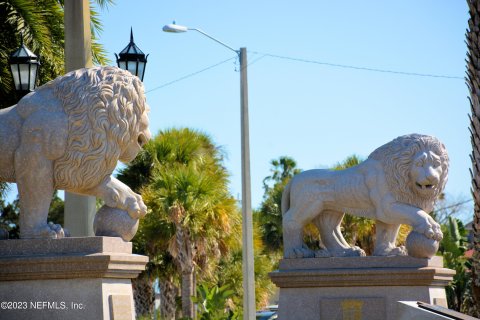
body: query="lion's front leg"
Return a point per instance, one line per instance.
(386, 236)
(417, 218)
(118, 195)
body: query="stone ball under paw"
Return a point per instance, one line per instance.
(114, 222)
(419, 246)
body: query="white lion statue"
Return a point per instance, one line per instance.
(69, 134)
(398, 184)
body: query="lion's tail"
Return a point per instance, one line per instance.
(286, 198)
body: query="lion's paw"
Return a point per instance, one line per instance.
(398, 251)
(391, 251)
(322, 253)
(354, 252)
(431, 232)
(431, 229)
(437, 231)
(298, 253)
(438, 235)
(349, 252)
(135, 207)
(46, 231)
(58, 231)
(127, 200)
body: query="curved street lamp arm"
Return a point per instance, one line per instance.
(216, 40)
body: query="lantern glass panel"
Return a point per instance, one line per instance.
(132, 67)
(33, 76)
(24, 73)
(22, 83)
(16, 80)
(122, 65)
(141, 70)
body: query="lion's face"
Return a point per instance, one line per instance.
(426, 173)
(415, 167)
(136, 144)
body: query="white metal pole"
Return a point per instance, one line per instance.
(79, 210)
(247, 224)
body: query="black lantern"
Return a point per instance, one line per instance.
(24, 66)
(132, 59)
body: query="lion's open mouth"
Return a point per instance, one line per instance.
(425, 186)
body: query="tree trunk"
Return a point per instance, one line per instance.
(187, 293)
(168, 295)
(473, 83)
(143, 295)
(183, 251)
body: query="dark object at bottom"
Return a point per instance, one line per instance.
(444, 311)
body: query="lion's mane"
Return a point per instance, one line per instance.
(396, 158)
(104, 106)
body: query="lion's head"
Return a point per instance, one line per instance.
(416, 169)
(107, 122)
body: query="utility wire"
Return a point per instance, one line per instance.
(190, 75)
(345, 66)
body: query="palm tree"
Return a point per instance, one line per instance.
(192, 216)
(473, 83)
(282, 169)
(40, 24)
(3, 189)
(151, 240)
(190, 188)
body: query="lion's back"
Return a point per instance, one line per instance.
(311, 185)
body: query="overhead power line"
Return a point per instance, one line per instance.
(329, 64)
(191, 74)
(345, 66)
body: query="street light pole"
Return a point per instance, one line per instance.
(79, 210)
(247, 223)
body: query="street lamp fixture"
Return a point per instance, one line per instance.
(24, 67)
(131, 58)
(175, 28)
(247, 224)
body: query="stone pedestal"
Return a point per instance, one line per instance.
(71, 278)
(357, 287)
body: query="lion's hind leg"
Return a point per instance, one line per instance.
(34, 175)
(294, 220)
(328, 223)
(385, 244)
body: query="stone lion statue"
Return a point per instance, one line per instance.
(398, 184)
(69, 134)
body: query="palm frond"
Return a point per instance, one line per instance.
(473, 81)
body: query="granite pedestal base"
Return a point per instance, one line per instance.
(357, 287)
(71, 278)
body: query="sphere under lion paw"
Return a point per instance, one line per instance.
(114, 222)
(419, 246)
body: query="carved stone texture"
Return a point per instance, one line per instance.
(114, 222)
(419, 246)
(357, 288)
(398, 184)
(69, 134)
(70, 278)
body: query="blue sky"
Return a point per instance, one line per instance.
(316, 113)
